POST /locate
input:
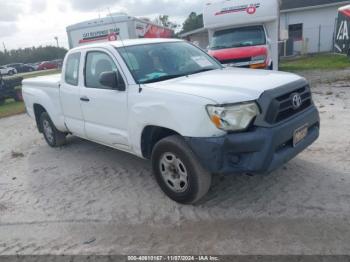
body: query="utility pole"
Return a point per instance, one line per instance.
(3, 43)
(56, 38)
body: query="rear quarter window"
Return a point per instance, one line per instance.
(72, 69)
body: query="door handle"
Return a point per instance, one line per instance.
(85, 99)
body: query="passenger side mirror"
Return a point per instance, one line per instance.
(113, 80)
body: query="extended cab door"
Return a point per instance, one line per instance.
(104, 108)
(70, 94)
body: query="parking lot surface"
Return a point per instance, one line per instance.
(85, 198)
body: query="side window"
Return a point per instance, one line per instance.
(72, 69)
(96, 64)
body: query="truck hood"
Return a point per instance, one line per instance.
(228, 85)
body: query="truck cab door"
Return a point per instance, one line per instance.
(70, 94)
(104, 108)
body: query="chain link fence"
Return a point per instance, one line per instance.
(317, 39)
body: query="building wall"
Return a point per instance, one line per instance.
(318, 28)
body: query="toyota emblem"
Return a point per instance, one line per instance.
(296, 101)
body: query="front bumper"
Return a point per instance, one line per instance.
(259, 151)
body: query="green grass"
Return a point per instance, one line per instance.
(11, 108)
(316, 62)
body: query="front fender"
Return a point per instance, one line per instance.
(184, 114)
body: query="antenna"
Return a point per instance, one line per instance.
(123, 46)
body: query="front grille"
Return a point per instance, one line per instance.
(234, 61)
(281, 108)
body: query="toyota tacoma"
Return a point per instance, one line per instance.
(168, 101)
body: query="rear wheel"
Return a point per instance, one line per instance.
(178, 172)
(53, 137)
(10, 73)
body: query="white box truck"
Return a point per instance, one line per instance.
(243, 33)
(114, 27)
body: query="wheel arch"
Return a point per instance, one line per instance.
(38, 110)
(151, 135)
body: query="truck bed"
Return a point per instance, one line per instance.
(44, 81)
(44, 91)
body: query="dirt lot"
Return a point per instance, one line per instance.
(85, 198)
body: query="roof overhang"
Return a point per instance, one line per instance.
(314, 7)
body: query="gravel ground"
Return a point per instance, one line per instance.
(85, 198)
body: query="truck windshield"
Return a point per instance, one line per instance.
(151, 63)
(238, 37)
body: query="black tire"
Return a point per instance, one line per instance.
(17, 96)
(54, 139)
(198, 179)
(271, 66)
(10, 73)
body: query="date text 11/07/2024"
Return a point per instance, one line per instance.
(173, 258)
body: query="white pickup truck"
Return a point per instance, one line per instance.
(168, 101)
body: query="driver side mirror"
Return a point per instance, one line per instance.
(113, 80)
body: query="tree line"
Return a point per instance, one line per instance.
(32, 54)
(192, 22)
(47, 53)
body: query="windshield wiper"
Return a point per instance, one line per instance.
(201, 70)
(162, 78)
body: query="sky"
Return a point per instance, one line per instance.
(27, 23)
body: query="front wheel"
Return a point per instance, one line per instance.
(53, 137)
(178, 172)
(271, 66)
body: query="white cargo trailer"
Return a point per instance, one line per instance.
(114, 27)
(243, 31)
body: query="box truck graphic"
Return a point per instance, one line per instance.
(114, 27)
(342, 37)
(243, 33)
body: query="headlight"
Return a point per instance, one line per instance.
(258, 59)
(233, 117)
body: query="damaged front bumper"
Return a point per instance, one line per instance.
(259, 151)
